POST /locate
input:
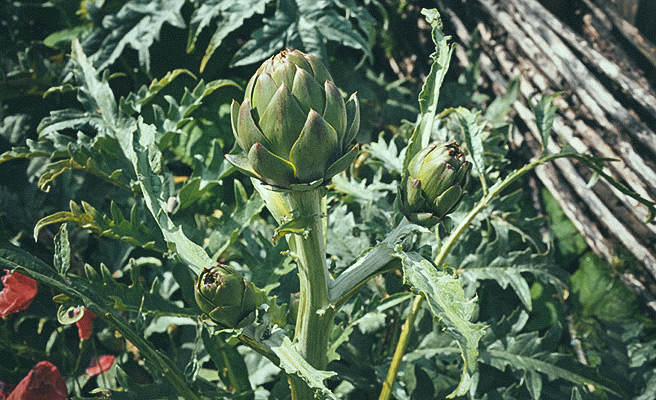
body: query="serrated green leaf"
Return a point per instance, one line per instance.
(293, 363)
(472, 131)
(135, 101)
(137, 142)
(545, 113)
(270, 38)
(205, 177)
(132, 231)
(233, 224)
(140, 148)
(61, 40)
(309, 38)
(529, 353)
(334, 27)
(447, 301)
(342, 337)
(362, 189)
(137, 24)
(388, 154)
(598, 293)
(430, 91)
(307, 26)
(96, 156)
(502, 105)
(346, 242)
(231, 16)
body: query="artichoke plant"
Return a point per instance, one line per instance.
(434, 183)
(224, 295)
(293, 124)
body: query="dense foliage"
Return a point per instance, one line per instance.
(115, 194)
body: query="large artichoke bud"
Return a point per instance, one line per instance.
(294, 124)
(224, 295)
(434, 183)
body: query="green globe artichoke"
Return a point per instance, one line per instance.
(434, 183)
(224, 295)
(294, 124)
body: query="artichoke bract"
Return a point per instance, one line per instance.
(293, 124)
(434, 183)
(224, 295)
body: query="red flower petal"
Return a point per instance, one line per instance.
(5, 389)
(43, 382)
(84, 325)
(17, 294)
(100, 364)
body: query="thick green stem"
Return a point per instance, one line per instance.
(315, 316)
(372, 263)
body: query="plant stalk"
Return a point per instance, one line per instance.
(406, 330)
(372, 263)
(315, 316)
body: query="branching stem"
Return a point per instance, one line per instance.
(494, 191)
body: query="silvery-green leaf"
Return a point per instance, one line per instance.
(430, 92)
(446, 299)
(294, 364)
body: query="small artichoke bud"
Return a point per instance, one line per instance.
(224, 295)
(293, 124)
(434, 183)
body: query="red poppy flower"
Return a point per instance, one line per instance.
(100, 364)
(43, 382)
(5, 389)
(84, 325)
(17, 294)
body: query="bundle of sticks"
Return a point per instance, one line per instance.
(607, 70)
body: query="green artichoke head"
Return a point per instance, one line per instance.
(434, 183)
(293, 124)
(224, 295)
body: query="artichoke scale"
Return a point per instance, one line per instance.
(271, 168)
(282, 122)
(315, 149)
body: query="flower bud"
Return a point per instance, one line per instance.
(224, 295)
(434, 183)
(293, 124)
